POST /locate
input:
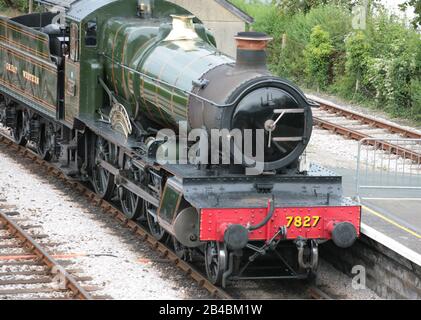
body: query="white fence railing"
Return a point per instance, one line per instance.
(389, 168)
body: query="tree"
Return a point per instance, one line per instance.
(357, 57)
(21, 5)
(417, 7)
(317, 55)
(295, 6)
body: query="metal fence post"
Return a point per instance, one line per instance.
(357, 177)
(402, 172)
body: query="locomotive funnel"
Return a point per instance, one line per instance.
(251, 50)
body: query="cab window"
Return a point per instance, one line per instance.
(91, 34)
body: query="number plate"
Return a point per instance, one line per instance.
(303, 221)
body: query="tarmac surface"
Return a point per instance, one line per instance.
(396, 212)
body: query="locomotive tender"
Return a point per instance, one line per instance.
(93, 93)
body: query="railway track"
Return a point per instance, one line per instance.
(28, 270)
(108, 208)
(357, 126)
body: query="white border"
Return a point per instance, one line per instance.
(391, 244)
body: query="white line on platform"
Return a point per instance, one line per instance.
(394, 199)
(391, 244)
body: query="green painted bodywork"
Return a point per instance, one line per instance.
(142, 47)
(26, 71)
(123, 38)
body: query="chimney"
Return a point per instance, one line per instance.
(251, 50)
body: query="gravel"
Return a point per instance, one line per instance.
(120, 265)
(117, 261)
(333, 282)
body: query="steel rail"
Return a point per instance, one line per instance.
(357, 135)
(108, 208)
(371, 121)
(28, 242)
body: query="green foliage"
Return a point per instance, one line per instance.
(416, 4)
(379, 66)
(394, 68)
(317, 55)
(416, 100)
(357, 57)
(294, 6)
(21, 5)
(288, 59)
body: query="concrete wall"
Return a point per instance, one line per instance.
(222, 23)
(388, 273)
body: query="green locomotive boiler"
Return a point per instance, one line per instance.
(94, 91)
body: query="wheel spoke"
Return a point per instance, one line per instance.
(132, 200)
(215, 260)
(103, 179)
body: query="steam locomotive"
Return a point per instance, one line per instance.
(100, 93)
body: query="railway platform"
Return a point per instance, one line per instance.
(386, 177)
(393, 221)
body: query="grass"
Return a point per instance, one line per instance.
(288, 62)
(9, 12)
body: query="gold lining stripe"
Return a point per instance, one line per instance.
(71, 62)
(7, 25)
(27, 59)
(142, 91)
(145, 46)
(113, 51)
(29, 95)
(23, 34)
(157, 93)
(24, 48)
(171, 93)
(72, 108)
(123, 60)
(23, 45)
(148, 44)
(144, 70)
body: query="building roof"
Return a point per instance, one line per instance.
(60, 3)
(66, 4)
(235, 10)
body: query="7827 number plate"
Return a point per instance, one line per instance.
(303, 222)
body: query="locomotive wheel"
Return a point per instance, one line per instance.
(157, 231)
(102, 180)
(216, 261)
(131, 204)
(181, 251)
(18, 132)
(46, 142)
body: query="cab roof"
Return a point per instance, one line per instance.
(77, 9)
